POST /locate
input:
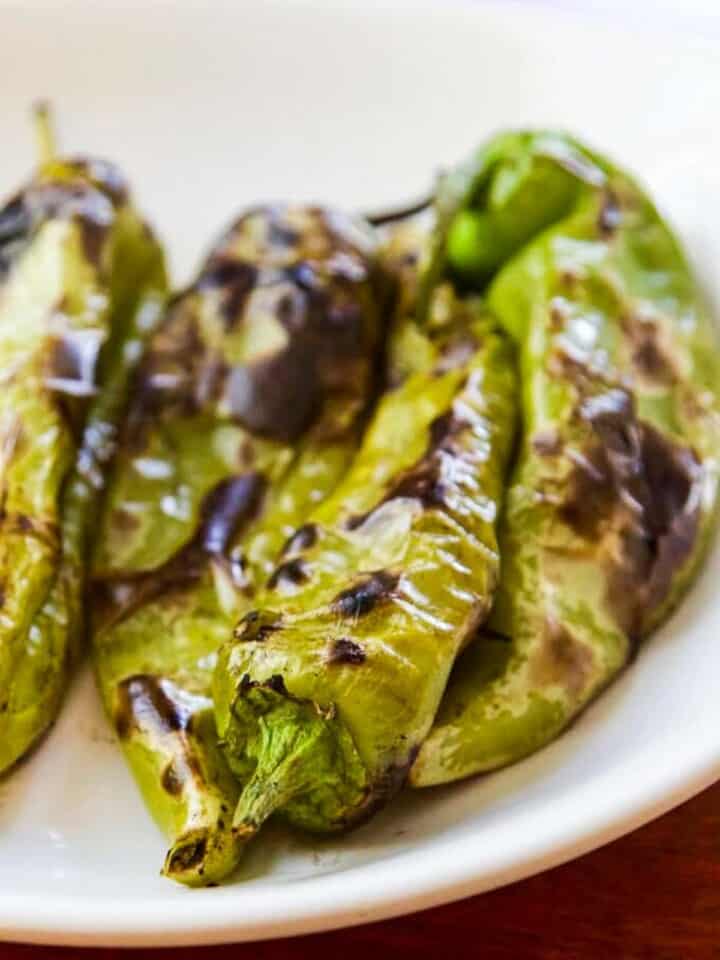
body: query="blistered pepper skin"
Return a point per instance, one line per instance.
(331, 683)
(81, 276)
(613, 495)
(247, 410)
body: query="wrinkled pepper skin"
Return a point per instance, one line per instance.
(247, 410)
(331, 683)
(81, 278)
(613, 494)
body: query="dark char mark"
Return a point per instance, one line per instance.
(649, 357)
(230, 505)
(257, 625)
(291, 572)
(425, 480)
(146, 702)
(236, 278)
(15, 227)
(321, 300)
(170, 781)
(364, 595)
(72, 362)
(389, 783)
(91, 205)
(654, 481)
(188, 856)
(303, 538)
(343, 650)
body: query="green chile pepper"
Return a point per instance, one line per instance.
(613, 494)
(331, 683)
(247, 410)
(81, 277)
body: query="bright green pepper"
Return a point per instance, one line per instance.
(247, 410)
(81, 277)
(331, 684)
(613, 494)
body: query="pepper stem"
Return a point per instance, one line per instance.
(292, 745)
(44, 132)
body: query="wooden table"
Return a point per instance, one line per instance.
(654, 895)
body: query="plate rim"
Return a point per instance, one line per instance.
(404, 882)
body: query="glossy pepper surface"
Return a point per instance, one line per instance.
(81, 279)
(332, 681)
(613, 494)
(247, 410)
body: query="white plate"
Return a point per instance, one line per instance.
(210, 107)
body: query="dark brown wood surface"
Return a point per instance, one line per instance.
(654, 895)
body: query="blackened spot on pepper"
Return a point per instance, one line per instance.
(146, 702)
(303, 538)
(257, 625)
(188, 856)
(343, 650)
(170, 781)
(652, 362)
(650, 358)
(124, 520)
(93, 234)
(389, 782)
(364, 595)
(226, 508)
(425, 480)
(646, 487)
(72, 362)
(424, 483)
(236, 278)
(14, 219)
(290, 572)
(443, 430)
(561, 659)
(15, 227)
(277, 684)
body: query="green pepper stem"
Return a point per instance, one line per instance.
(287, 766)
(44, 132)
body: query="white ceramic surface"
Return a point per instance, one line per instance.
(209, 107)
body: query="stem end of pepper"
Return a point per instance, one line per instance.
(44, 132)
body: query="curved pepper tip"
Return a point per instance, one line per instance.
(199, 859)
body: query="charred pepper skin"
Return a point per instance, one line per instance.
(613, 496)
(247, 410)
(81, 277)
(331, 684)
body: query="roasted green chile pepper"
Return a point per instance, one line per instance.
(81, 278)
(331, 683)
(614, 491)
(247, 410)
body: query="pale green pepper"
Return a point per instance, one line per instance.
(613, 495)
(81, 280)
(331, 683)
(247, 410)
